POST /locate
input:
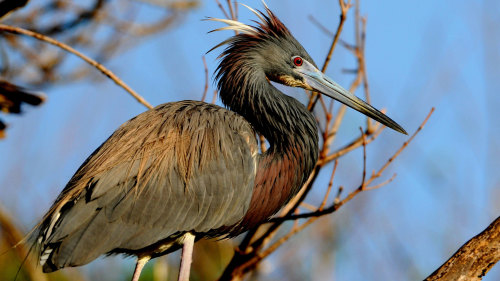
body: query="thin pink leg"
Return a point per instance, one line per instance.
(187, 257)
(138, 267)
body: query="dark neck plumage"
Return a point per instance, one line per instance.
(289, 127)
(282, 120)
(292, 134)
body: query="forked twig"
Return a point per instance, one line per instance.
(329, 188)
(350, 196)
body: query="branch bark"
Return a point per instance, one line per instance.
(474, 259)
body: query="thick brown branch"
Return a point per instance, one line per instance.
(474, 259)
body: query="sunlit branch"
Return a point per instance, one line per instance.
(360, 188)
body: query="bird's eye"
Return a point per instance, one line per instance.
(297, 61)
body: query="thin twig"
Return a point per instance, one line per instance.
(214, 97)
(222, 9)
(344, 8)
(330, 184)
(364, 158)
(369, 123)
(321, 26)
(405, 144)
(382, 183)
(359, 54)
(285, 238)
(351, 146)
(341, 112)
(307, 206)
(205, 90)
(356, 22)
(339, 193)
(231, 9)
(235, 9)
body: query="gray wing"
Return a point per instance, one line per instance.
(184, 166)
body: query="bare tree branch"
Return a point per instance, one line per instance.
(474, 259)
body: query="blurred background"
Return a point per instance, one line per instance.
(419, 54)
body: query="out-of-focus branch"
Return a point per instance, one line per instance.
(136, 29)
(77, 28)
(8, 6)
(12, 97)
(12, 235)
(35, 64)
(104, 70)
(474, 259)
(82, 17)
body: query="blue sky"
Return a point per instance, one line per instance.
(420, 54)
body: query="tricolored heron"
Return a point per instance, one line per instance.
(187, 170)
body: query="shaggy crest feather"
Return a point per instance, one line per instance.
(269, 25)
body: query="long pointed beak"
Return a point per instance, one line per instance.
(318, 81)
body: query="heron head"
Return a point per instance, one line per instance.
(270, 49)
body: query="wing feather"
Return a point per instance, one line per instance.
(184, 166)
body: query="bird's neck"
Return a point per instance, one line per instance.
(293, 137)
(283, 120)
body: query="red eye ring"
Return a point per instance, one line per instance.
(297, 61)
